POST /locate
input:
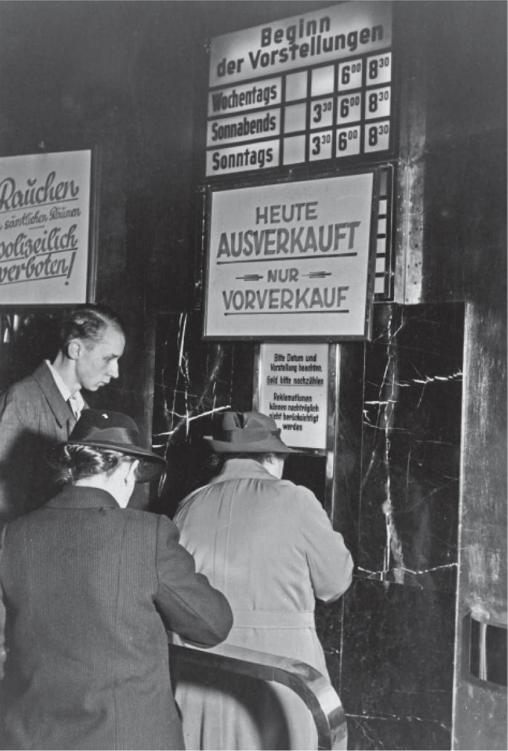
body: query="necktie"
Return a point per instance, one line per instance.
(74, 408)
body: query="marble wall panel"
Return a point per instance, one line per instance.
(389, 642)
(366, 733)
(390, 645)
(389, 652)
(411, 446)
(192, 384)
(397, 652)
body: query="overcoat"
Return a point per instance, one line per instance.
(269, 546)
(88, 591)
(34, 417)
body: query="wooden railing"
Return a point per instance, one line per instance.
(310, 685)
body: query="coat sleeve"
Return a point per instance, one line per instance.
(187, 602)
(15, 458)
(330, 563)
(3, 653)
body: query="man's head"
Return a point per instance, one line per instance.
(105, 451)
(246, 433)
(91, 343)
(250, 435)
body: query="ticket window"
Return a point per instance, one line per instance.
(296, 384)
(195, 381)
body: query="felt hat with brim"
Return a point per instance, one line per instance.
(114, 431)
(247, 433)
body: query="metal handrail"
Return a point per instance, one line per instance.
(309, 684)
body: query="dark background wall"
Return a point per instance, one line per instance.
(129, 79)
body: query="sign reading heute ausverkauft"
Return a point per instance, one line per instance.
(44, 228)
(293, 390)
(290, 260)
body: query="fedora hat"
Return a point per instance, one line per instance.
(102, 429)
(247, 432)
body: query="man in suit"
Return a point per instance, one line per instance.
(40, 411)
(88, 588)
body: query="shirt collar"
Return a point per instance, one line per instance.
(64, 389)
(77, 400)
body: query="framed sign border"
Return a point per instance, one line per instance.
(331, 395)
(209, 190)
(352, 162)
(329, 453)
(93, 233)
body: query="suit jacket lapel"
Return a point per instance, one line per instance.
(58, 406)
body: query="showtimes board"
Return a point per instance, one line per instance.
(302, 90)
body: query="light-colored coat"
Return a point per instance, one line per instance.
(269, 546)
(88, 591)
(34, 417)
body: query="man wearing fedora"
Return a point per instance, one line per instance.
(40, 411)
(269, 546)
(88, 590)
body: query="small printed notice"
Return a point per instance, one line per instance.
(44, 228)
(293, 390)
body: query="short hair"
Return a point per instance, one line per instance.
(88, 323)
(75, 462)
(258, 457)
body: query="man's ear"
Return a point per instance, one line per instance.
(73, 349)
(132, 470)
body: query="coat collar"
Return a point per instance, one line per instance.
(79, 497)
(242, 468)
(61, 410)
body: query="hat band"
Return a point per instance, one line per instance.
(113, 435)
(240, 435)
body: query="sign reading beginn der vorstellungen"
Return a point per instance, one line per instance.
(302, 89)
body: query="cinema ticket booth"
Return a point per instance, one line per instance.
(298, 207)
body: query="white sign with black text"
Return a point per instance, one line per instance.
(324, 34)
(309, 88)
(291, 260)
(293, 390)
(44, 228)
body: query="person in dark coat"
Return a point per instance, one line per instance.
(88, 590)
(39, 412)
